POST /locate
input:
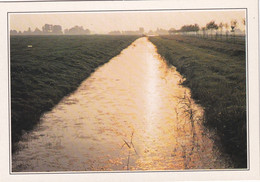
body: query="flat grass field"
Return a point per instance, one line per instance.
(215, 72)
(52, 68)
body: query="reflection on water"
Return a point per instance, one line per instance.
(131, 114)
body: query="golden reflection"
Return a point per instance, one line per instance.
(131, 114)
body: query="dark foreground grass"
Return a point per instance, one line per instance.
(53, 68)
(217, 79)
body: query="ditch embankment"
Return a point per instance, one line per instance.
(216, 74)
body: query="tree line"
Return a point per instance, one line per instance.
(214, 31)
(49, 29)
(211, 26)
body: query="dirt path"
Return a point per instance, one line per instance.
(130, 114)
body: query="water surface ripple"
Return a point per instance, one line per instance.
(130, 114)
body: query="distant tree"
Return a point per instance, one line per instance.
(233, 25)
(57, 29)
(77, 30)
(211, 26)
(203, 31)
(37, 31)
(87, 31)
(47, 28)
(190, 28)
(244, 23)
(66, 31)
(13, 32)
(196, 28)
(226, 27)
(221, 25)
(172, 31)
(28, 32)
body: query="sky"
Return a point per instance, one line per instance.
(98, 22)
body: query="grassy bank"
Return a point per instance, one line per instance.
(52, 68)
(216, 74)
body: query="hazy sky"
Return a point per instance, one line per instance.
(105, 22)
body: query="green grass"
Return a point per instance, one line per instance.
(53, 68)
(216, 74)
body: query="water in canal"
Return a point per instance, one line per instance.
(130, 114)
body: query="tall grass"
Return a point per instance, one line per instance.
(52, 68)
(216, 74)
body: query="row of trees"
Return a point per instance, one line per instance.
(49, 29)
(77, 30)
(214, 31)
(190, 28)
(209, 26)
